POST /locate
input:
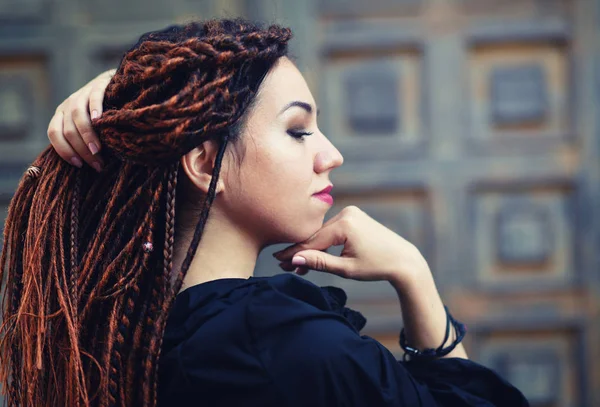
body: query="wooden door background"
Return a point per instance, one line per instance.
(470, 127)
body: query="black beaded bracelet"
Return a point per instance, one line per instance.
(431, 353)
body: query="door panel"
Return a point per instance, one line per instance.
(470, 127)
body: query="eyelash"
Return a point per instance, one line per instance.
(299, 134)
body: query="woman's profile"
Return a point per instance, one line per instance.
(129, 281)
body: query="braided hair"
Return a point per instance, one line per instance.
(87, 260)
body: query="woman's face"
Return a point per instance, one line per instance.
(270, 195)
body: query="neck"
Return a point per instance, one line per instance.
(229, 253)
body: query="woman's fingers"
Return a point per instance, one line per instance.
(70, 131)
(97, 93)
(321, 261)
(83, 125)
(287, 266)
(331, 234)
(284, 253)
(311, 254)
(372, 252)
(58, 141)
(302, 271)
(75, 139)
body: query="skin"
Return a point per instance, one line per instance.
(268, 199)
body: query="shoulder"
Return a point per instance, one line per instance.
(294, 320)
(289, 302)
(300, 340)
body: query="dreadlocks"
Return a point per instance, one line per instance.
(87, 257)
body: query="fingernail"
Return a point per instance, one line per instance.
(93, 148)
(94, 114)
(298, 261)
(76, 162)
(97, 166)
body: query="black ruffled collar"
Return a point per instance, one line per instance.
(336, 297)
(196, 298)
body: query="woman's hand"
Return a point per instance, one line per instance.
(70, 130)
(371, 251)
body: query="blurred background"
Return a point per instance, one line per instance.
(470, 127)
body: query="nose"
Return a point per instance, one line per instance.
(328, 157)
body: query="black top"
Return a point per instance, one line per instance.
(284, 341)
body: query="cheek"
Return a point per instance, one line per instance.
(275, 195)
(287, 173)
(295, 212)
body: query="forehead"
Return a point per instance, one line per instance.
(284, 83)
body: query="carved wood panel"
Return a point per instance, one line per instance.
(470, 127)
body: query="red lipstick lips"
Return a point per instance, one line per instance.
(324, 196)
(326, 190)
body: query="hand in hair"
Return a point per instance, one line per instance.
(372, 252)
(85, 306)
(70, 130)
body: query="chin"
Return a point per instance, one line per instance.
(307, 230)
(297, 232)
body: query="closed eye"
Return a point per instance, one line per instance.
(299, 134)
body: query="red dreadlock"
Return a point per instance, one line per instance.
(85, 300)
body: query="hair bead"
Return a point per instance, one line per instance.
(148, 247)
(33, 171)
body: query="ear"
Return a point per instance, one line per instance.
(199, 163)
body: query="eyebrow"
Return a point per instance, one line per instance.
(296, 103)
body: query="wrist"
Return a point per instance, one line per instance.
(413, 268)
(413, 279)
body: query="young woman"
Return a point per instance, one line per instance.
(129, 281)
